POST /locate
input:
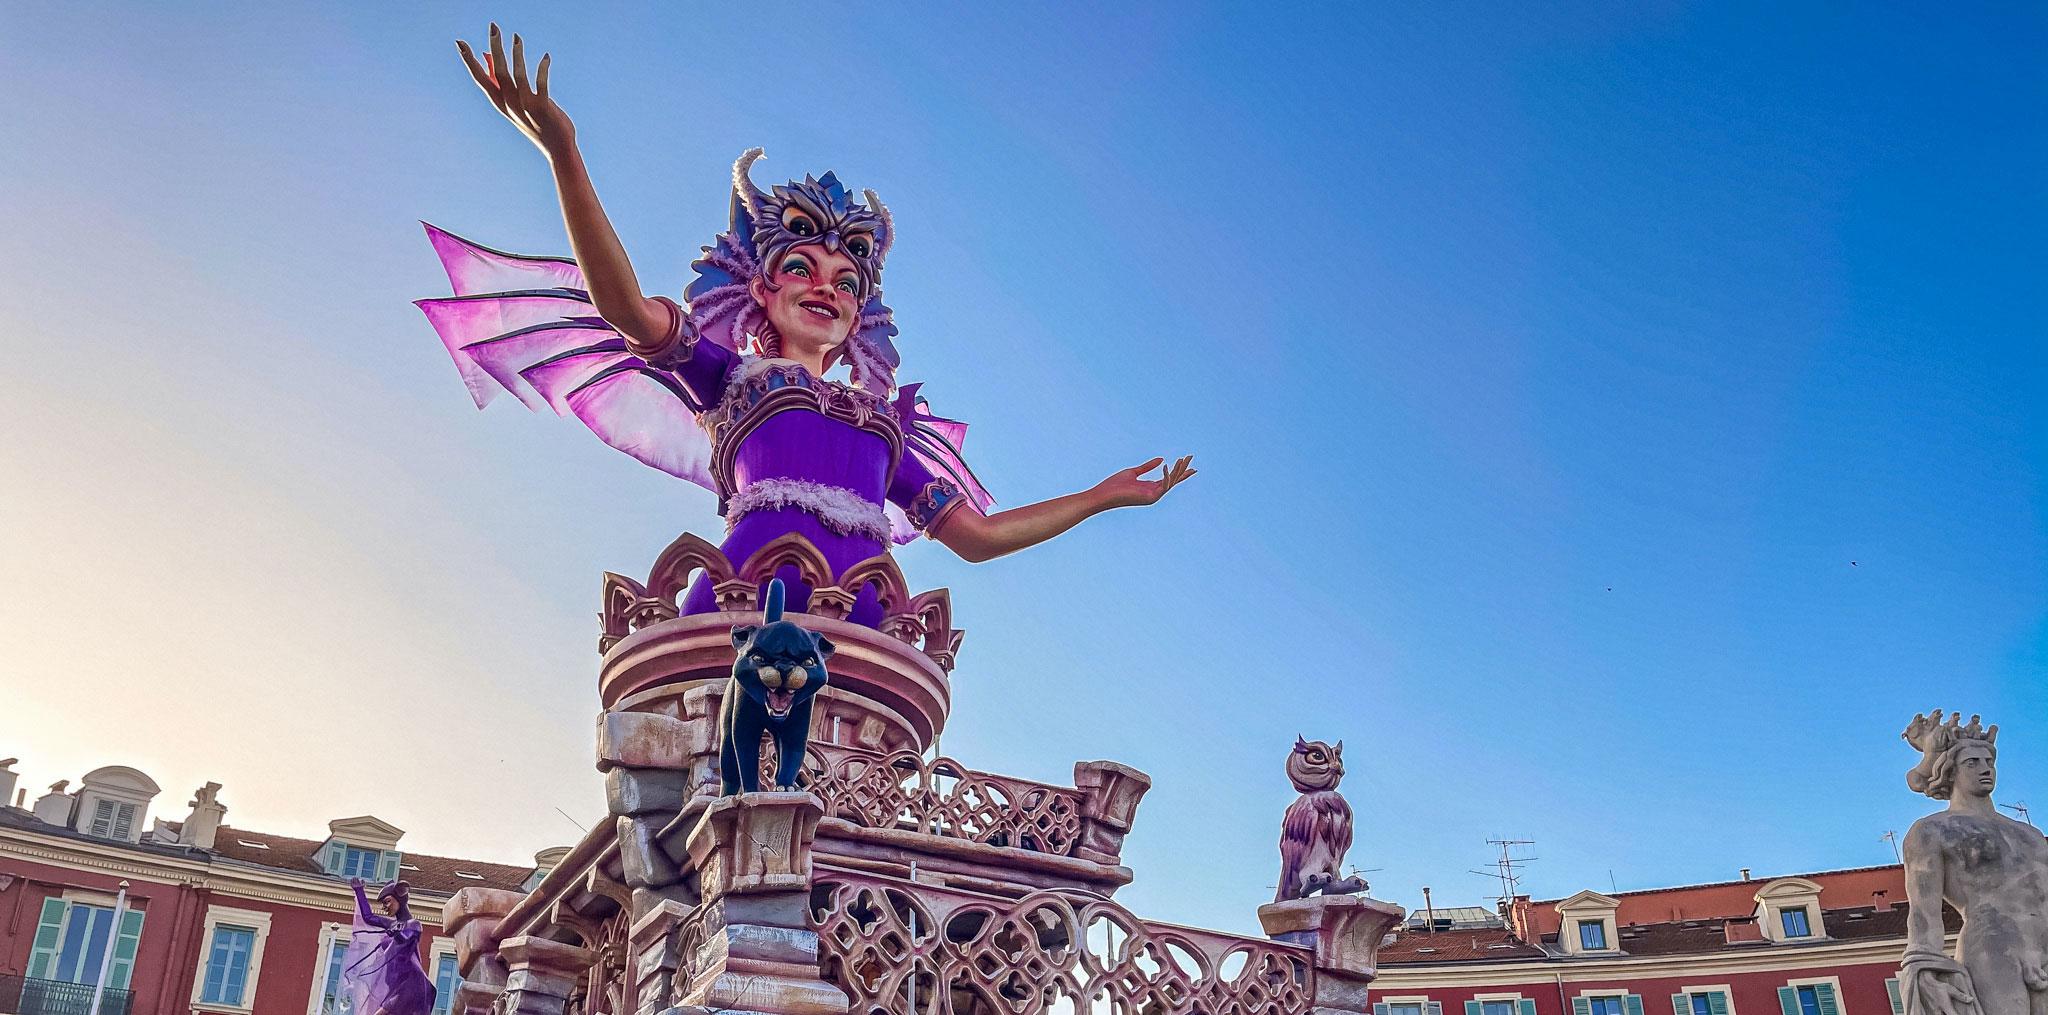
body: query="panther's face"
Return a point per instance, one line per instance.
(780, 665)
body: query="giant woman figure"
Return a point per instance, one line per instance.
(731, 387)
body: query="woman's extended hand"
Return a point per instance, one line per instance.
(527, 106)
(1129, 488)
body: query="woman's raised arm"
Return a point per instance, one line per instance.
(363, 909)
(614, 289)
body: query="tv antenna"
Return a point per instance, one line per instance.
(2019, 809)
(1892, 837)
(1507, 868)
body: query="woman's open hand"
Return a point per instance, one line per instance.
(1130, 488)
(527, 105)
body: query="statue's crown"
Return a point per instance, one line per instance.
(1932, 736)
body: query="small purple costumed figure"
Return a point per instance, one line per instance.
(729, 389)
(381, 972)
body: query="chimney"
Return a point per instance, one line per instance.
(1745, 874)
(8, 777)
(207, 812)
(55, 806)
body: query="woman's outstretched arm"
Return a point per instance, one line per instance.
(363, 909)
(976, 537)
(614, 288)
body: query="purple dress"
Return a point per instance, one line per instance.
(381, 973)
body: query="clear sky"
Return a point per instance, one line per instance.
(1615, 422)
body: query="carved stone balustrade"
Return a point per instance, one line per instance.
(904, 947)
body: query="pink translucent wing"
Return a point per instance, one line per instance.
(473, 268)
(503, 357)
(557, 377)
(465, 321)
(640, 412)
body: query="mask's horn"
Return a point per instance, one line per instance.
(773, 609)
(888, 237)
(743, 180)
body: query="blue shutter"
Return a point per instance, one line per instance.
(1633, 1004)
(1381, 1009)
(1717, 1003)
(43, 957)
(1582, 1006)
(1474, 1008)
(1436, 1008)
(1681, 1004)
(1526, 1006)
(1825, 994)
(387, 868)
(1788, 1000)
(330, 857)
(124, 950)
(1891, 987)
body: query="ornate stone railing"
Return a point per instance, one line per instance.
(924, 619)
(942, 797)
(883, 941)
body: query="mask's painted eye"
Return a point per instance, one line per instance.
(846, 286)
(798, 223)
(797, 267)
(859, 246)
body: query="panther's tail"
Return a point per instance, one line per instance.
(773, 609)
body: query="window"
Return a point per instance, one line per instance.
(357, 862)
(111, 820)
(72, 939)
(1496, 1008)
(1809, 999)
(1794, 922)
(1713, 1001)
(227, 966)
(446, 980)
(1406, 1008)
(1702, 1005)
(1592, 936)
(1606, 1006)
(330, 995)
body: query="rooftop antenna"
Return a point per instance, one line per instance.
(573, 821)
(1507, 868)
(2019, 809)
(1892, 836)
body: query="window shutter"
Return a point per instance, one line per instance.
(1582, 1006)
(1526, 1006)
(124, 950)
(1380, 1009)
(1633, 1004)
(1717, 1003)
(102, 819)
(1474, 1008)
(387, 868)
(43, 957)
(1825, 994)
(124, 820)
(1436, 1008)
(1891, 987)
(1788, 1000)
(1681, 1004)
(330, 857)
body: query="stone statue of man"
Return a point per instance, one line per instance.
(1992, 869)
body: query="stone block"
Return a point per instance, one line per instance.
(1344, 930)
(643, 860)
(648, 740)
(646, 790)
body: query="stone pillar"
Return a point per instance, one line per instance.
(652, 952)
(647, 761)
(748, 947)
(471, 918)
(541, 974)
(1345, 933)
(1109, 802)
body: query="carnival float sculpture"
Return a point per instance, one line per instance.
(381, 972)
(729, 388)
(1991, 868)
(1316, 831)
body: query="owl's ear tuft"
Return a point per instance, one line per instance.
(1300, 742)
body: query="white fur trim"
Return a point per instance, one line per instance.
(840, 509)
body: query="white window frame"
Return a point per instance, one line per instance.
(441, 946)
(1609, 993)
(1515, 999)
(329, 934)
(215, 916)
(1726, 991)
(1775, 897)
(1420, 1001)
(1834, 982)
(1588, 907)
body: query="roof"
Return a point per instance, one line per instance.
(1678, 937)
(1484, 944)
(1819, 876)
(423, 872)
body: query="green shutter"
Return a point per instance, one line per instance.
(1891, 987)
(1582, 1006)
(387, 867)
(1825, 993)
(1474, 1008)
(330, 857)
(1526, 1006)
(1788, 1000)
(42, 959)
(124, 949)
(1435, 1008)
(1380, 1009)
(1681, 1004)
(1633, 1004)
(1717, 1003)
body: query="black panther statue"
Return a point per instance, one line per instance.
(779, 669)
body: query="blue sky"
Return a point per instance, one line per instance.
(1547, 372)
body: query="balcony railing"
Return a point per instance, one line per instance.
(26, 996)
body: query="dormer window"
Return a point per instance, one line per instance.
(1795, 923)
(111, 820)
(357, 862)
(1587, 924)
(361, 848)
(1788, 909)
(113, 803)
(1592, 936)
